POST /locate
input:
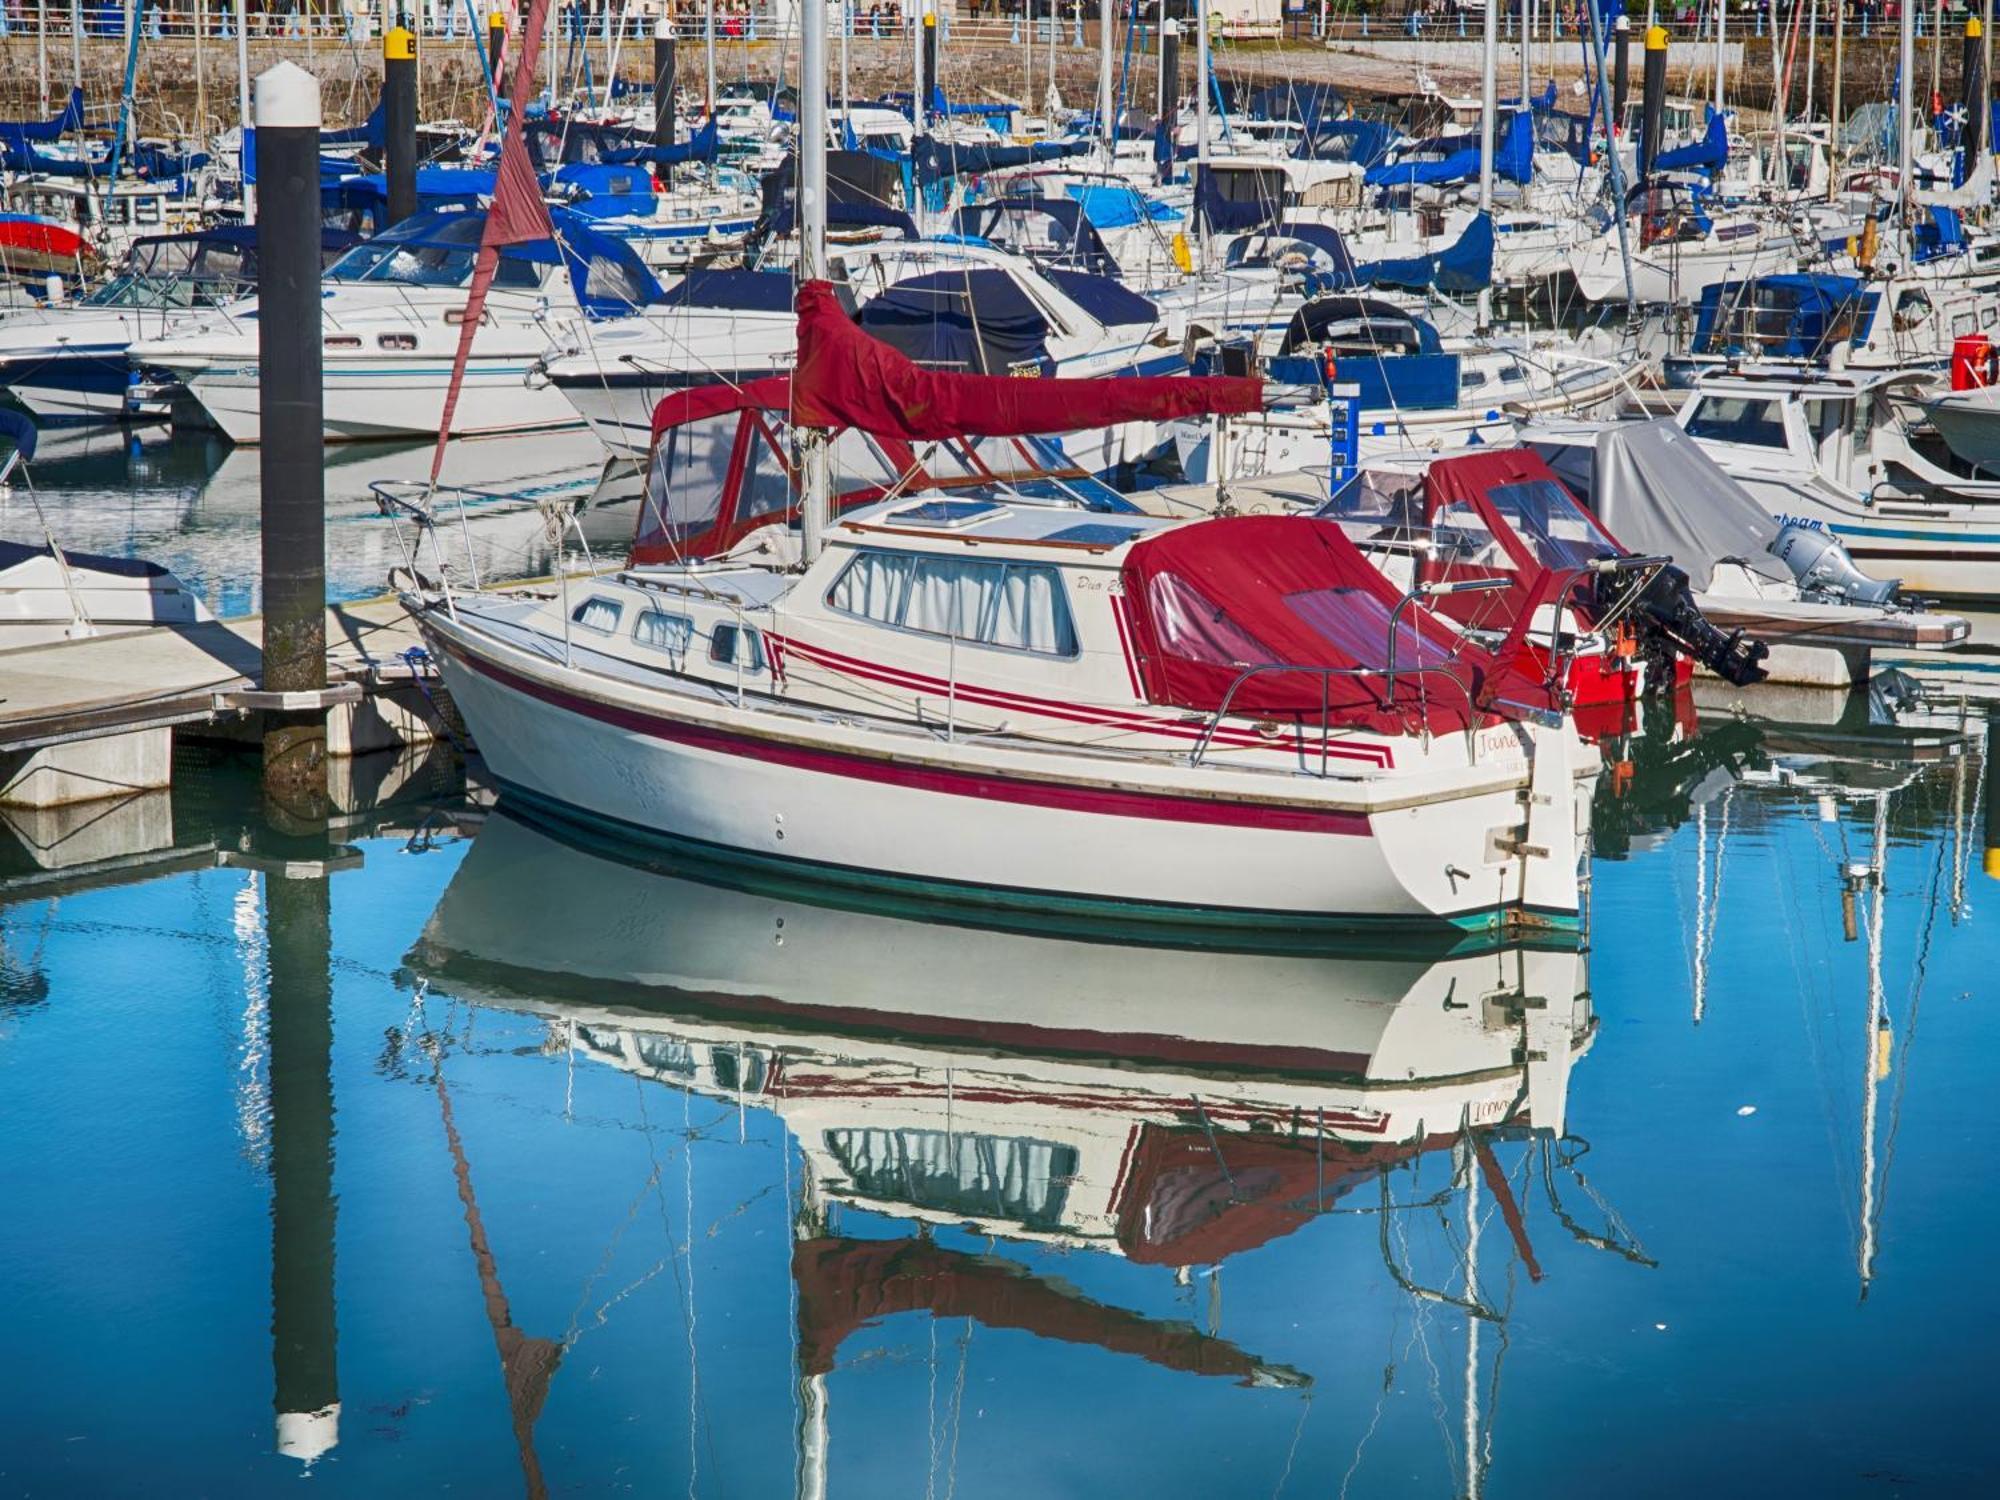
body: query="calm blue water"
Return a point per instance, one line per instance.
(484, 1163)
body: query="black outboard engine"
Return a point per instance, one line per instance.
(1660, 604)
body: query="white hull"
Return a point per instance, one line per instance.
(371, 399)
(1934, 548)
(1005, 829)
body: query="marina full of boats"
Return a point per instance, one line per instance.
(1265, 517)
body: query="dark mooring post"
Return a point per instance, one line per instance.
(1652, 107)
(932, 87)
(1621, 70)
(304, 1358)
(399, 121)
(496, 49)
(290, 412)
(1973, 137)
(663, 82)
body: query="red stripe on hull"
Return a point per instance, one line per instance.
(1073, 713)
(1058, 796)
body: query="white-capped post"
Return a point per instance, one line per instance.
(291, 413)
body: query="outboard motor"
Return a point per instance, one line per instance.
(1670, 623)
(1825, 573)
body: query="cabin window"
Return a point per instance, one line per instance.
(598, 614)
(342, 341)
(663, 632)
(1912, 308)
(1963, 324)
(1825, 418)
(400, 342)
(1738, 419)
(736, 646)
(1014, 606)
(963, 1175)
(690, 468)
(1357, 623)
(767, 488)
(148, 210)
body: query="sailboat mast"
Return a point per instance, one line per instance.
(1489, 103)
(814, 473)
(200, 69)
(1721, 45)
(42, 51)
(1201, 127)
(1906, 51)
(242, 104)
(708, 53)
(1107, 128)
(1527, 49)
(76, 40)
(1833, 106)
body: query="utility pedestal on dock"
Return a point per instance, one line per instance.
(291, 407)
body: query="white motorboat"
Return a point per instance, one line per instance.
(1014, 705)
(1830, 451)
(1791, 587)
(1415, 392)
(68, 360)
(390, 329)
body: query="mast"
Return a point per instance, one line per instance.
(1780, 87)
(812, 251)
(1489, 103)
(200, 68)
(242, 102)
(708, 51)
(76, 45)
(1721, 38)
(1905, 59)
(1201, 127)
(1107, 128)
(1833, 108)
(846, 95)
(42, 51)
(1527, 49)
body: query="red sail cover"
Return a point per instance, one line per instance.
(1209, 600)
(516, 216)
(847, 379)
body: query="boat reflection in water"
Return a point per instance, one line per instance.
(1172, 1107)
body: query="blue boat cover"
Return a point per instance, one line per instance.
(1365, 143)
(18, 429)
(1114, 205)
(1704, 155)
(1939, 234)
(936, 160)
(1800, 316)
(1068, 238)
(732, 288)
(703, 145)
(976, 322)
(1111, 303)
(70, 119)
(1449, 159)
(1465, 266)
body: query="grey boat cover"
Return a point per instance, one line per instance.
(1658, 493)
